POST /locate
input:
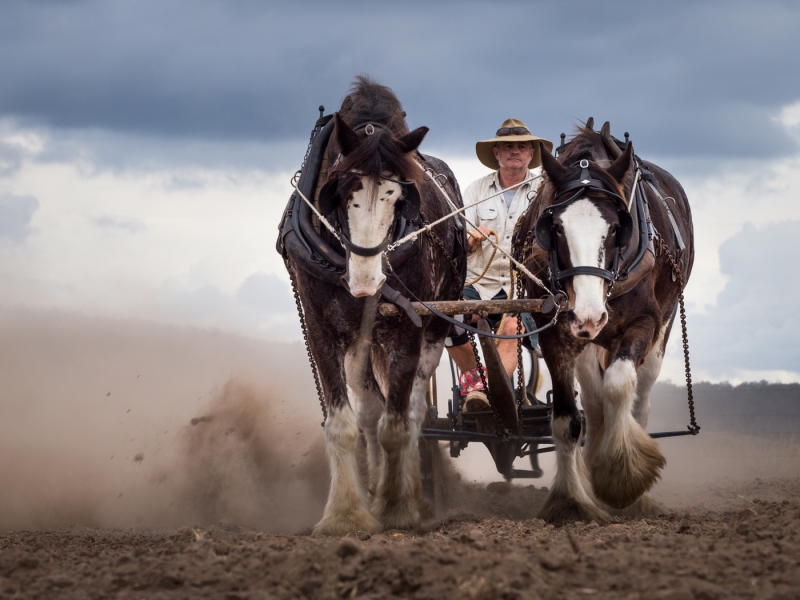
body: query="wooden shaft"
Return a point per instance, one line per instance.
(466, 307)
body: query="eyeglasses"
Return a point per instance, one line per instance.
(512, 131)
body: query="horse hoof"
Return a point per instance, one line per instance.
(645, 506)
(560, 510)
(399, 517)
(342, 525)
(621, 479)
(425, 509)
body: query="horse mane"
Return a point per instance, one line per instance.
(369, 101)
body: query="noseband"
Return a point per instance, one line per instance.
(545, 226)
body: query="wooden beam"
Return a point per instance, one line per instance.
(466, 307)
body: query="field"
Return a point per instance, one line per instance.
(107, 489)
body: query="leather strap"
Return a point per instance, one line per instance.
(673, 222)
(397, 298)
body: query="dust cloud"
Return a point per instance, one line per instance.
(96, 427)
(132, 424)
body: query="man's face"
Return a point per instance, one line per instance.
(513, 155)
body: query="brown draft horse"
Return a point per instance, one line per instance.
(374, 370)
(589, 228)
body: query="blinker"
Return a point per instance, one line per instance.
(409, 204)
(625, 231)
(544, 231)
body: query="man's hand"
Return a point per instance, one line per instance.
(476, 237)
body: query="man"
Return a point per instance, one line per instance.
(512, 154)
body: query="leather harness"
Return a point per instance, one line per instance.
(300, 241)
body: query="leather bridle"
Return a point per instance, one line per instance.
(544, 229)
(398, 224)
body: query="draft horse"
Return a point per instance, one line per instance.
(374, 370)
(600, 231)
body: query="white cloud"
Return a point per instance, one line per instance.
(790, 115)
(141, 243)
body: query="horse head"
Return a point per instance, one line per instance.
(372, 188)
(584, 226)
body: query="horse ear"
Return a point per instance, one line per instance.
(625, 230)
(412, 140)
(619, 169)
(344, 135)
(409, 205)
(328, 196)
(551, 166)
(544, 231)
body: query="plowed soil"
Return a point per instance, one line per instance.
(742, 540)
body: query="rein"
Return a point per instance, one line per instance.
(428, 227)
(435, 178)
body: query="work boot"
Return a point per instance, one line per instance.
(472, 391)
(476, 401)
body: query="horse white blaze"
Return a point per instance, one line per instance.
(586, 230)
(370, 213)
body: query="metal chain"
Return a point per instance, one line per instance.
(521, 388)
(296, 177)
(498, 422)
(311, 361)
(693, 427)
(438, 243)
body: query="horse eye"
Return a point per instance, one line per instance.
(559, 229)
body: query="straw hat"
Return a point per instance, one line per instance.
(515, 131)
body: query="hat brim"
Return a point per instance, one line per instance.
(484, 149)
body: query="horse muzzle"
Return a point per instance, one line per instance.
(587, 326)
(364, 276)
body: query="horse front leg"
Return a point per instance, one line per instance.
(346, 510)
(369, 404)
(428, 362)
(570, 498)
(627, 461)
(397, 500)
(589, 367)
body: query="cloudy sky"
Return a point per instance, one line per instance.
(146, 147)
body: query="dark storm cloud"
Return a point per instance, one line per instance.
(686, 78)
(755, 324)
